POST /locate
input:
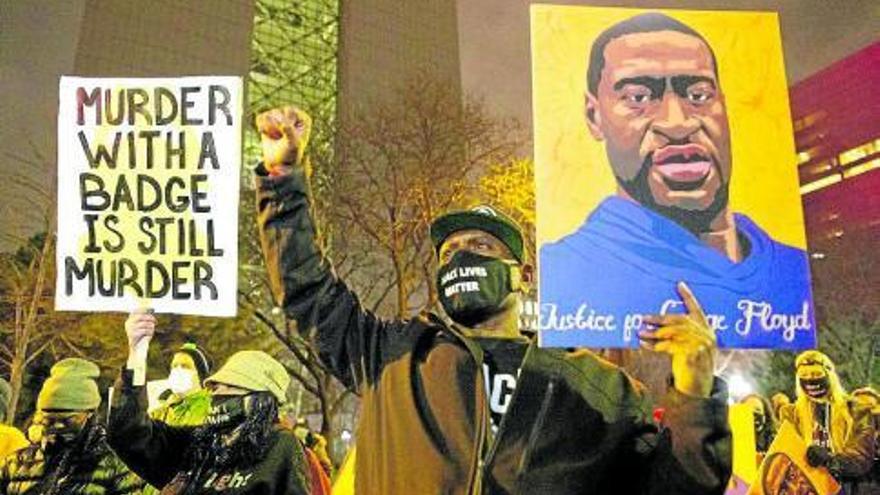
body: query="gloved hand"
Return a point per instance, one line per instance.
(818, 456)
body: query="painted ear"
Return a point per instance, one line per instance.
(521, 277)
(594, 119)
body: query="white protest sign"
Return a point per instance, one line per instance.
(148, 188)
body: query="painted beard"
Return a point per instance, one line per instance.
(695, 221)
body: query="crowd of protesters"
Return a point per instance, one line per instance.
(459, 403)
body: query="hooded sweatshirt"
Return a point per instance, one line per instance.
(626, 260)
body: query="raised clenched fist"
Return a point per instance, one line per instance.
(284, 133)
(140, 325)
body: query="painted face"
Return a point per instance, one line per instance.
(660, 110)
(814, 381)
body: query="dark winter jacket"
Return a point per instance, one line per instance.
(91, 469)
(157, 452)
(575, 424)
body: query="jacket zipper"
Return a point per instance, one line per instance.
(480, 443)
(493, 449)
(536, 429)
(476, 481)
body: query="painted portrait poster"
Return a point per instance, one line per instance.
(664, 153)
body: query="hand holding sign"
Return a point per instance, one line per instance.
(140, 328)
(285, 135)
(689, 339)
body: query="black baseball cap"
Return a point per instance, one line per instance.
(483, 217)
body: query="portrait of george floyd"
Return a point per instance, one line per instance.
(664, 153)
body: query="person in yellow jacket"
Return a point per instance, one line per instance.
(189, 403)
(11, 438)
(839, 432)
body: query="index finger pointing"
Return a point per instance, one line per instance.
(690, 301)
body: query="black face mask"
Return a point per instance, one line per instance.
(227, 410)
(473, 287)
(815, 388)
(59, 430)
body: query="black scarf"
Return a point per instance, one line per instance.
(240, 444)
(81, 456)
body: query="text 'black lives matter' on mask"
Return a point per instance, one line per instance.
(473, 287)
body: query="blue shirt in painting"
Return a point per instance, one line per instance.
(625, 261)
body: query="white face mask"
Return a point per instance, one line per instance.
(181, 380)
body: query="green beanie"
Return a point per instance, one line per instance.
(71, 386)
(255, 371)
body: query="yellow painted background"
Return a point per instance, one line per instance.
(571, 170)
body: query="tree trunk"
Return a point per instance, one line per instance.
(400, 278)
(16, 378)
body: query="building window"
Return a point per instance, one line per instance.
(809, 120)
(803, 157)
(861, 168)
(859, 152)
(819, 184)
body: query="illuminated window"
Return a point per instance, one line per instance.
(819, 168)
(859, 152)
(803, 157)
(819, 184)
(861, 168)
(809, 120)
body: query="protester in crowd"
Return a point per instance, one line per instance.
(70, 455)
(778, 400)
(316, 443)
(240, 449)
(470, 405)
(869, 398)
(765, 421)
(189, 403)
(11, 438)
(838, 431)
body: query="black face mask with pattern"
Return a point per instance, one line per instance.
(472, 287)
(240, 437)
(227, 410)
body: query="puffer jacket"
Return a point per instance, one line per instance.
(89, 468)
